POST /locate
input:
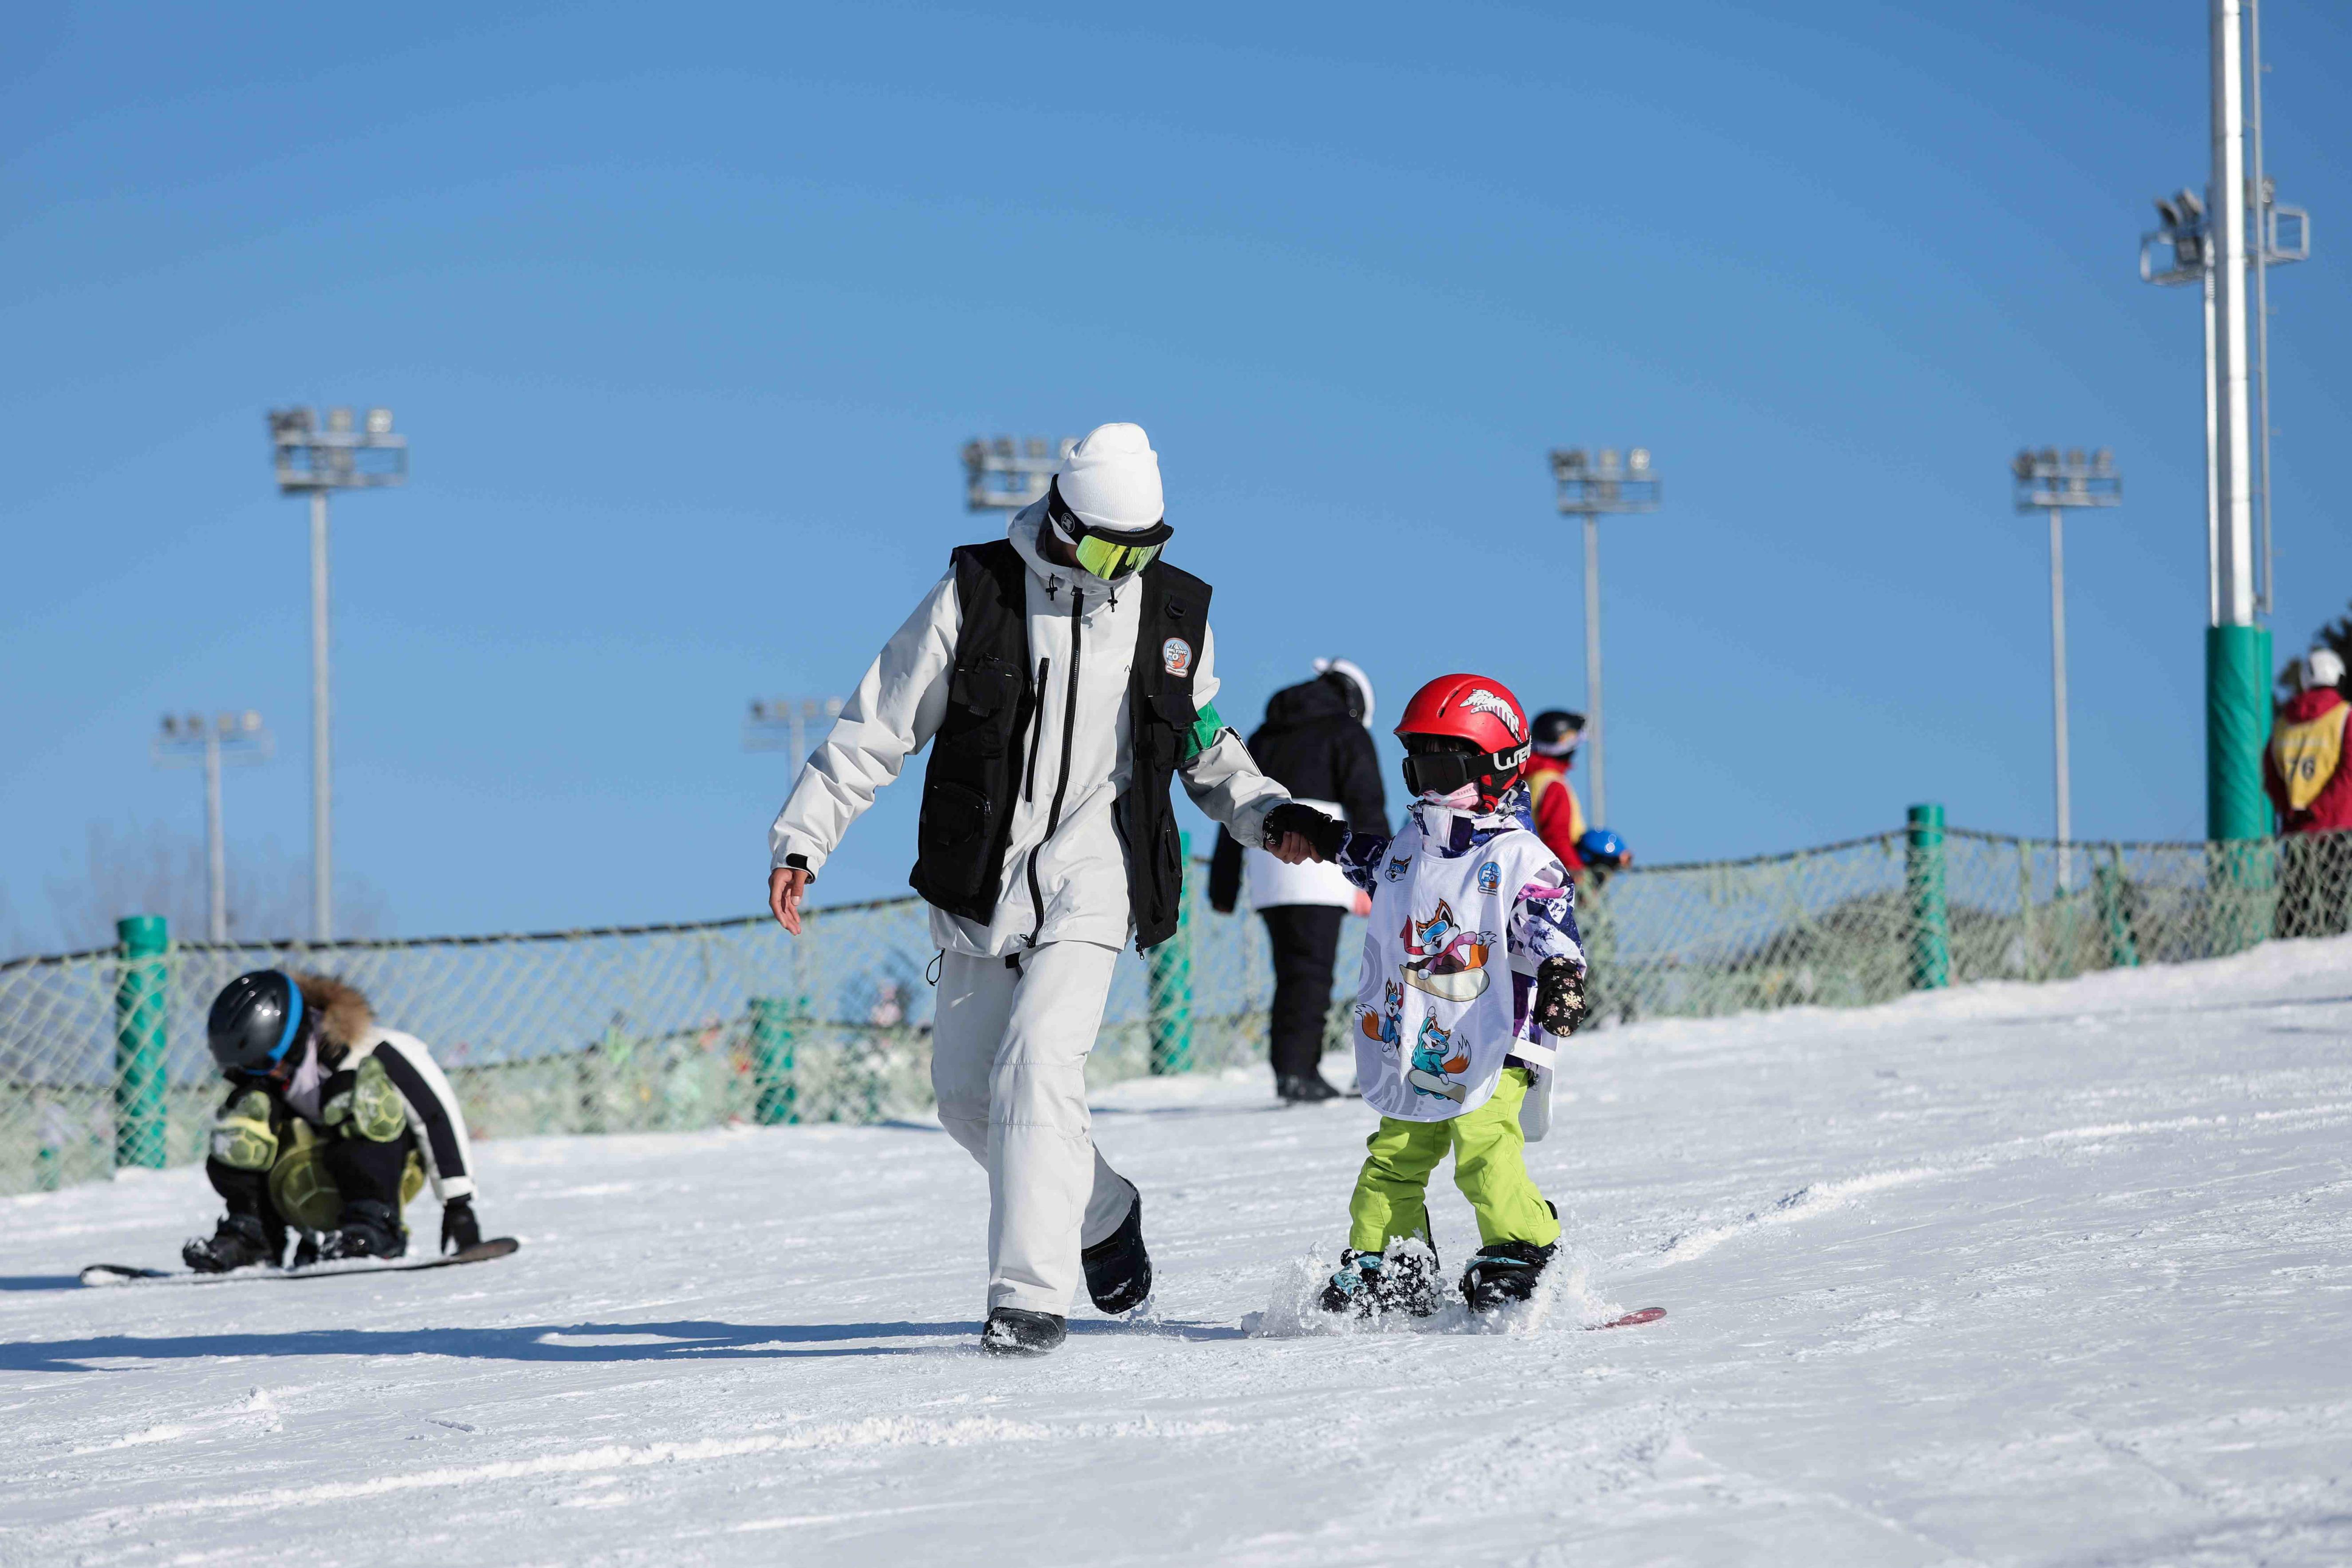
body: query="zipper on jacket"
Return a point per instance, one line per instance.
(1036, 731)
(1069, 734)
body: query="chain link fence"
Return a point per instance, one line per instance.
(102, 1060)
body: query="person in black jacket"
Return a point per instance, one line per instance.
(1317, 743)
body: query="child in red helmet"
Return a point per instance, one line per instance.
(1472, 973)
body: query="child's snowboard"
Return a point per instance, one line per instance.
(130, 1274)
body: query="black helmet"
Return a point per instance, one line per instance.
(1555, 731)
(255, 1021)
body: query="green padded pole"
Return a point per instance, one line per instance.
(1172, 982)
(778, 1097)
(142, 1000)
(2242, 879)
(2237, 728)
(1923, 879)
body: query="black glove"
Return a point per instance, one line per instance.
(1560, 996)
(459, 1229)
(1328, 834)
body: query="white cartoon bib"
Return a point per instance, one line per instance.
(1433, 1003)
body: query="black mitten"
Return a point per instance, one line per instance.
(1560, 996)
(459, 1229)
(1329, 835)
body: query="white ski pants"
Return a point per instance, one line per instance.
(1009, 1064)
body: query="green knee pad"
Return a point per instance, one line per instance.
(301, 1187)
(371, 1107)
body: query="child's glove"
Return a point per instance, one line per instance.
(1328, 834)
(1560, 996)
(459, 1229)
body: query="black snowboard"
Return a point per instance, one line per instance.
(126, 1274)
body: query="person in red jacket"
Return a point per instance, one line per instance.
(2310, 783)
(1560, 815)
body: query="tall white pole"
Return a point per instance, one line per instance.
(1592, 727)
(2262, 245)
(2212, 460)
(216, 852)
(2058, 694)
(322, 869)
(2228, 205)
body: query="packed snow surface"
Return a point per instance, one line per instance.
(2007, 1275)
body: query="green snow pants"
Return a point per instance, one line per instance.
(1489, 1166)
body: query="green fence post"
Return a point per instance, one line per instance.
(2107, 882)
(1923, 878)
(777, 1100)
(1171, 982)
(141, 1003)
(2241, 878)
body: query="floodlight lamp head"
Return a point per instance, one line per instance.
(2192, 206)
(252, 722)
(2168, 215)
(1608, 460)
(2074, 457)
(1638, 460)
(2104, 460)
(2022, 464)
(339, 420)
(379, 421)
(1002, 445)
(170, 726)
(2049, 457)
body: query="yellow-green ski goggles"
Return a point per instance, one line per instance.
(1109, 553)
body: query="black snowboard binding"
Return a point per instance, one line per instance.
(369, 1230)
(1505, 1272)
(240, 1241)
(1119, 1270)
(1368, 1284)
(1012, 1331)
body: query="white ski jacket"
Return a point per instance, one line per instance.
(1081, 874)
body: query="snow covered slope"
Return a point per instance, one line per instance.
(2009, 1274)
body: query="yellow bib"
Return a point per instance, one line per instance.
(2308, 754)
(1544, 782)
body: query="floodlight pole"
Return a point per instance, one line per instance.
(322, 775)
(203, 740)
(346, 455)
(1592, 486)
(2046, 481)
(1594, 727)
(782, 724)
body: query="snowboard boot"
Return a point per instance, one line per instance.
(1504, 1273)
(240, 1241)
(369, 1230)
(1306, 1088)
(1404, 1279)
(1012, 1331)
(1119, 1270)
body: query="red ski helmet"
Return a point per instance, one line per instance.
(1463, 729)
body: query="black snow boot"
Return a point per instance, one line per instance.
(1012, 1331)
(1307, 1088)
(1369, 1283)
(1119, 1270)
(240, 1241)
(369, 1230)
(1505, 1272)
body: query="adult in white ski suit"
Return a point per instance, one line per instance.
(1021, 998)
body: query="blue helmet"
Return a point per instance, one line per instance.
(1601, 848)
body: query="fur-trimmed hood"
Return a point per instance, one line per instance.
(342, 1008)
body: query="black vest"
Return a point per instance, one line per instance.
(978, 759)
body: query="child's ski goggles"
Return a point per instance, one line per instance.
(1441, 772)
(1109, 553)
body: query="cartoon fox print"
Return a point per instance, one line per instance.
(1433, 1056)
(1382, 1026)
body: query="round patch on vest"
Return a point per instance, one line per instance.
(1176, 655)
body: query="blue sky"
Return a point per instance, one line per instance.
(687, 312)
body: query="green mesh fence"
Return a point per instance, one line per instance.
(686, 1026)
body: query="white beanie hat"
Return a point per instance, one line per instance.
(1348, 668)
(2322, 668)
(1111, 479)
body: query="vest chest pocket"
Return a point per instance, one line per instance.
(1172, 716)
(958, 835)
(981, 701)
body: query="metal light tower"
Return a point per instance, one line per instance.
(2210, 244)
(781, 723)
(314, 461)
(233, 739)
(1003, 475)
(2048, 482)
(1591, 489)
